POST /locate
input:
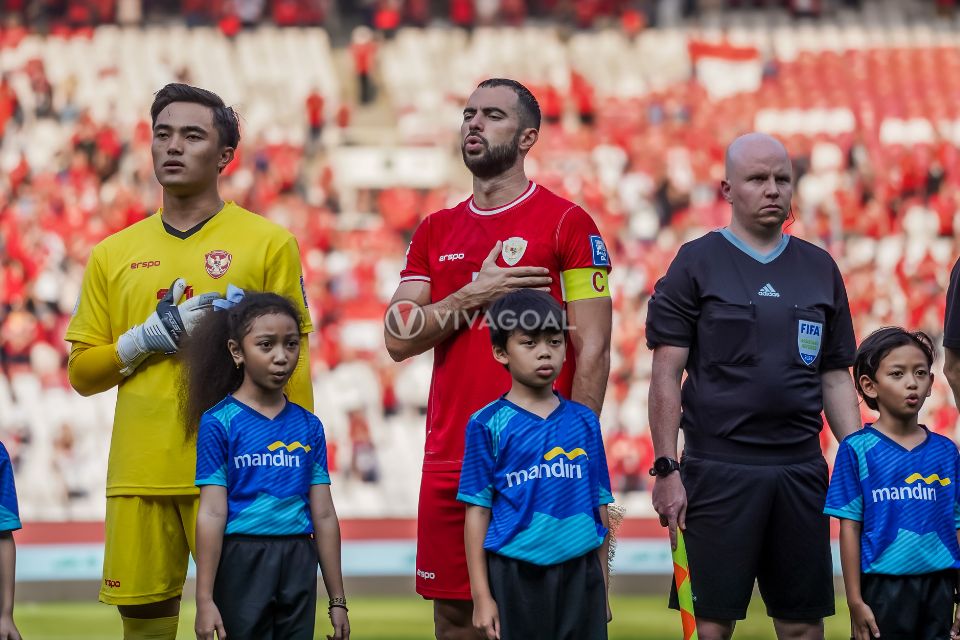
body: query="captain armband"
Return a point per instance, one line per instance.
(584, 284)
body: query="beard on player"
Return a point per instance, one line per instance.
(494, 160)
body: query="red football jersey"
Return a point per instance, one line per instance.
(539, 229)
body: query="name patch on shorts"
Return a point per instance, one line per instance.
(809, 337)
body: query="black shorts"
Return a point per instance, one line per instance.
(266, 587)
(911, 607)
(762, 523)
(565, 601)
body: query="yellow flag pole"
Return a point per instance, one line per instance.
(681, 575)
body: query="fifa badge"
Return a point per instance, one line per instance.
(809, 336)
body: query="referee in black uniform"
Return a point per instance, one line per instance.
(760, 322)
(951, 334)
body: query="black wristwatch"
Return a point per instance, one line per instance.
(664, 466)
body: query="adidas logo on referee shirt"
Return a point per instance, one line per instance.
(768, 291)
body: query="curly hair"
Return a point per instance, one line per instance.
(209, 373)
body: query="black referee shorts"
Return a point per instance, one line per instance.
(911, 607)
(758, 523)
(565, 601)
(266, 587)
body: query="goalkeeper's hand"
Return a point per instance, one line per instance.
(164, 328)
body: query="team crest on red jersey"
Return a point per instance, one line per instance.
(217, 262)
(513, 249)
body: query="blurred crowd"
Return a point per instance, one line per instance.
(885, 202)
(389, 15)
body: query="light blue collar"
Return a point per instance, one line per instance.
(753, 253)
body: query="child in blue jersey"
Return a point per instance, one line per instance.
(895, 491)
(265, 515)
(536, 485)
(9, 522)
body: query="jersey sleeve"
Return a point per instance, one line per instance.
(840, 345)
(845, 497)
(285, 277)
(584, 259)
(956, 490)
(476, 477)
(212, 452)
(951, 318)
(90, 323)
(9, 509)
(674, 307)
(416, 267)
(319, 474)
(604, 494)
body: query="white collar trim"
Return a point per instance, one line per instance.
(489, 212)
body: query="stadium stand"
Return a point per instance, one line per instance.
(635, 127)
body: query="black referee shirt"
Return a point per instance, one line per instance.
(951, 319)
(760, 330)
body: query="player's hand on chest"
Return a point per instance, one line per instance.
(492, 259)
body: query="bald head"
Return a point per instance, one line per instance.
(758, 185)
(751, 147)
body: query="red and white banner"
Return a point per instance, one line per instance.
(725, 69)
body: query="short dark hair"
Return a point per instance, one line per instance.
(875, 348)
(528, 310)
(529, 107)
(225, 119)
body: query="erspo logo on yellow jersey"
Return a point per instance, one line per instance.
(558, 469)
(278, 459)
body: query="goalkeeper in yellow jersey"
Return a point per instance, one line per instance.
(144, 288)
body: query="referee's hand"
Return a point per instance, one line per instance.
(670, 502)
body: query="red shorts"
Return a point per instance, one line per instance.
(441, 558)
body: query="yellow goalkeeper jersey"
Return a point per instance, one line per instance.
(127, 274)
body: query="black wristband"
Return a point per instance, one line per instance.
(340, 602)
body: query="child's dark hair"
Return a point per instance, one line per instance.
(528, 310)
(875, 348)
(209, 373)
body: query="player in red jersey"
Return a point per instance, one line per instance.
(512, 233)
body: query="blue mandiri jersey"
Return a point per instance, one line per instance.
(543, 479)
(908, 501)
(267, 466)
(9, 511)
